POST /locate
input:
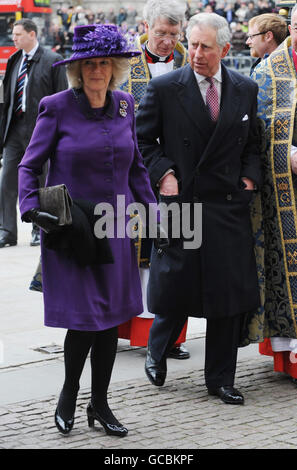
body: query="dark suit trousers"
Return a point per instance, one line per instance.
(13, 151)
(221, 345)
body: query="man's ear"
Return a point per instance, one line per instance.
(225, 50)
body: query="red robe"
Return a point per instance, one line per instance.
(282, 360)
(137, 330)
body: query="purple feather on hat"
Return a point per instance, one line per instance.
(100, 40)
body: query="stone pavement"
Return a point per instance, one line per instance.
(179, 415)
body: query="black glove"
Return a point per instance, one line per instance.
(47, 222)
(161, 241)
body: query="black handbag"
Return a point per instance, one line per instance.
(57, 201)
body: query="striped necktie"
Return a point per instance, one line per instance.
(20, 86)
(212, 100)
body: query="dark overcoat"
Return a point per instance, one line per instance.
(43, 80)
(174, 131)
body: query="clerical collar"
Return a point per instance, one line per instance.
(153, 58)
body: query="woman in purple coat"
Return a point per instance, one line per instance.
(87, 133)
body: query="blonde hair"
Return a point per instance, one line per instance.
(271, 22)
(120, 73)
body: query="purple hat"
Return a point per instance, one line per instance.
(99, 40)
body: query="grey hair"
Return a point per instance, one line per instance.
(172, 10)
(120, 73)
(214, 21)
(294, 9)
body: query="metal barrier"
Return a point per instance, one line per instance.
(241, 62)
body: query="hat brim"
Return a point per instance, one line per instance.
(75, 57)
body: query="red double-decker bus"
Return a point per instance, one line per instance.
(11, 10)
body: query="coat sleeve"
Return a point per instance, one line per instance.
(250, 158)
(42, 145)
(139, 181)
(150, 132)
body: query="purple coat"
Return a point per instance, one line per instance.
(95, 154)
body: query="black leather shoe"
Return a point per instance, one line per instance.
(6, 239)
(63, 426)
(155, 371)
(179, 352)
(228, 395)
(35, 240)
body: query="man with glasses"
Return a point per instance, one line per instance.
(161, 50)
(161, 53)
(277, 79)
(266, 33)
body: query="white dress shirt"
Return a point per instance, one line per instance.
(204, 84)
(30, 55)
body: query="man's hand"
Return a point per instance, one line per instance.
(169, 185)
(294, 162)
(249, 184)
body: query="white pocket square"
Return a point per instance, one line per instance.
(245, 117)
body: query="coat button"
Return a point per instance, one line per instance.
(229, 197)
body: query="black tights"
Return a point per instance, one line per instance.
(103, 346)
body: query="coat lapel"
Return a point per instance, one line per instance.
(230, 101)
(14, 76)
(189, 96)
(191, 100)
(13, 82)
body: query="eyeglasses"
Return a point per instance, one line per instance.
(172, 36)
(250, 36)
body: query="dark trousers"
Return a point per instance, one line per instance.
(221, 345)
(13, 151)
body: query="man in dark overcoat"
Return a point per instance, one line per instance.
(206, 132)
(24, 86)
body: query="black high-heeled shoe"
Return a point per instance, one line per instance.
(110, 429)
(63, 426)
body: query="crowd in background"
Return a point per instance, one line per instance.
(130, 21)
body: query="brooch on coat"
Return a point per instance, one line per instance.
(123, 107)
